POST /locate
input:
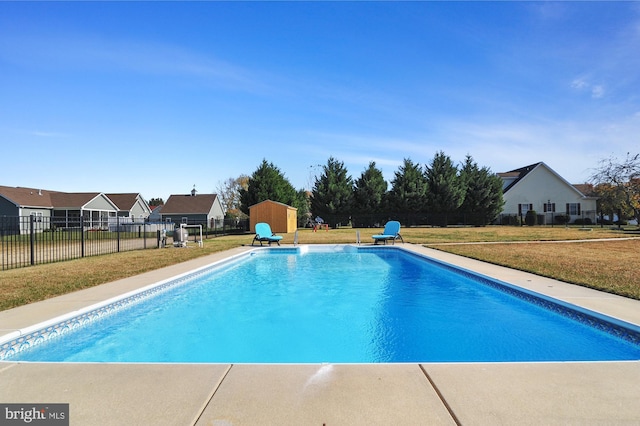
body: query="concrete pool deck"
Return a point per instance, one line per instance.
(577, 393)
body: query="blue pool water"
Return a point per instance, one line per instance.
(340, 306)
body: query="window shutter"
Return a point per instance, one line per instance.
(578, 208)
(519, 209)
(530, 206)
(544, 207)
(553, 207)
(568, 209)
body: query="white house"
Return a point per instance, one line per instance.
(538, 187)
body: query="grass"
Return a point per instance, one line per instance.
(609, 266)
(605, 265)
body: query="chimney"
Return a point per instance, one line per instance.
(193, 191)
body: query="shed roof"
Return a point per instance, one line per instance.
(273, 202)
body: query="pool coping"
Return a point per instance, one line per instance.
(478, 393)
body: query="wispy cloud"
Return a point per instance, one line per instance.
(48, 134)
(583, 84)
(597, 91)
(579, 83)
(571, 147)
(548, 10)
(610, 66)
(95, 54)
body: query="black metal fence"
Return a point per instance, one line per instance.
(33, 240)
(452, 219)
(406, 219)
(217, 227)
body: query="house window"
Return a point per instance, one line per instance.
(549, 207)
(573, 209)
(37, 216)
(524, 208)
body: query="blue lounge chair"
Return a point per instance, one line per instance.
(391, 233)
(264, 234)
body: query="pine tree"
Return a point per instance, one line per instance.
(407, 197)
(368, 197)
(267, 183)
(483, 200)
(332, 194)
(445, 193)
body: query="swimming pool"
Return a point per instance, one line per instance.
(336, 304)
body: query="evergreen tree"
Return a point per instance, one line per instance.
(483, 200)
(267, 183)
(332, 193)
(406, 199)
(368, 197)
(445, 193)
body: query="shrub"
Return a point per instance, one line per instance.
(510, 220)
(561, 219)
(585, 221)
(531, 219)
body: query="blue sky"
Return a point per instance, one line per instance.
(156, 97)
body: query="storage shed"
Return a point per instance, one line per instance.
(281, 217)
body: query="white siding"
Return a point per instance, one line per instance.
(542, 185)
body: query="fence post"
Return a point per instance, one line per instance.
(32, 238)
(118, 233)
(2, 243)
(82, 240)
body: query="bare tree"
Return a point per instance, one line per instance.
(623, 177)
(229, 193)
